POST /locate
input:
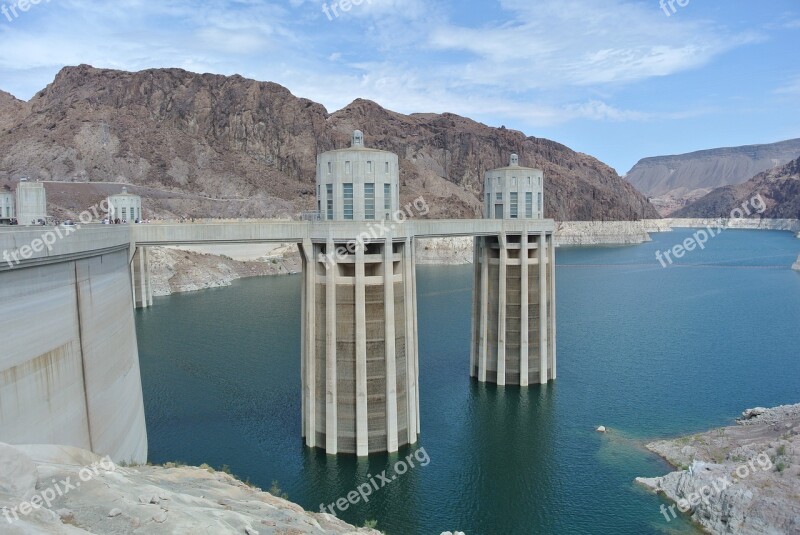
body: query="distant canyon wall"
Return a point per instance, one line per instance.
(683, 173)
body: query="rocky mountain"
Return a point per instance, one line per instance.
(680, 175)
(11, 110)
(233, 147)
(779, 187)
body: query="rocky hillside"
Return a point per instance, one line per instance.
(779, 187)
(708, 169)
(11, 110)
(248, 148)
(742, 479)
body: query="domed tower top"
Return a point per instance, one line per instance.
(357, 183)
(514, 192)
(358, 139)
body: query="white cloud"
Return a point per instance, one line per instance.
(543, 63)
(791, 88)
(556, 43)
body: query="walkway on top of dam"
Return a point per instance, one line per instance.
(27, 246)
(298, 231)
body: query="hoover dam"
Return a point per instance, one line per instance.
(69, 371)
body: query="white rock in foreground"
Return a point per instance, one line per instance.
(742, 479)
(180, 500)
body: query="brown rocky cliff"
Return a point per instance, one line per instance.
(779, 188)
(227, 137)
(11, 110)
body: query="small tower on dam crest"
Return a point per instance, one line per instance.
(359, 354)
(124, 206)
(31, 202)
(514, 329)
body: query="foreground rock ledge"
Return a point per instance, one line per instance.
(750, 473)
(143, 499)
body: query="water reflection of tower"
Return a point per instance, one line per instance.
(515, 441)
(327, 478)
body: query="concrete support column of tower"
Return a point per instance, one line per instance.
(476, 307)
(303, 342)
(524, 341)
(502, 308)
(309, 343)
(331, 390)
(392, 442)
(552, 265)
(484, 311)
(362, 431)
(543, 323)
(418, 420)
(411, 341)
(142, 288)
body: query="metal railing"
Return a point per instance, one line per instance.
(312, 216)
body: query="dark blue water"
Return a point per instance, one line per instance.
(646, 351)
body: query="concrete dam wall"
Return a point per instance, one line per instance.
(69, 363)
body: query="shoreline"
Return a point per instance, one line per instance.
(743, 478)
(577, 233)
(67, 490)
(187, 269)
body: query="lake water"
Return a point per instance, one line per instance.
(646, 351)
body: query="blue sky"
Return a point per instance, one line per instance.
(617, 79)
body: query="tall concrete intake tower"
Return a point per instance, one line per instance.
(359, 329)
(514, 330)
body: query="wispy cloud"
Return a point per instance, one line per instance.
(540, 63)
(553, 43)
(792, 87)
